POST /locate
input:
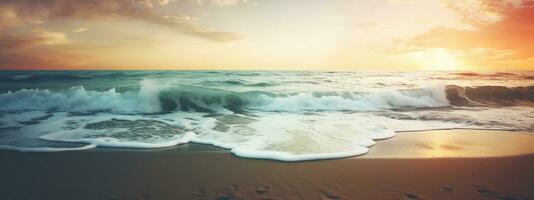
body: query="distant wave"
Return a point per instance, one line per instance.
(21, 77)
(481, 74)
(154, 97)
(64, 76)
(42, 77)
(495, 75)
(490, 95)
(78, 99)
(239, 83)
(205, 99)
(279, 116)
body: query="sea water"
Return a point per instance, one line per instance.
(288, 116)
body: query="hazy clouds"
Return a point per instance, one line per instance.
(496, 30)
(21, 20)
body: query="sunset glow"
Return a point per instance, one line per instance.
(437, 59)
(266, 99)
(267, 34)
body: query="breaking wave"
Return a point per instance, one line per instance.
(154, 97)
(491, 76)
(254, 120)
(490, 95)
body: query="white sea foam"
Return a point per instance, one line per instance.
(46, 149)
(21, 77)
(261, 137)
(267, 135)
(74, 99)
(116, 143)
(285, 125)
(78, 99)
(378, 100)
(147, 99)
(284, 137)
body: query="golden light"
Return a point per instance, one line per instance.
(436, 59)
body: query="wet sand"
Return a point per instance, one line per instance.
(452, 164)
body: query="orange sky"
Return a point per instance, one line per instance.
(267, 34)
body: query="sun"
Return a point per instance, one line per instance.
(436, 59)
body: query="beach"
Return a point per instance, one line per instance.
(446, 164)
(266, 100)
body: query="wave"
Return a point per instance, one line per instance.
(43, 77)
(292, 128)
(244, 136)
(78, 99)
(239, 83)
(490, 95)
(155, 97)
(38, 77)
(490, 76)
(46, 149)
(482, 74)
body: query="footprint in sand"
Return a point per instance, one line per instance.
(497, 195)
(482, 189)
(407, 195)
(411, 196)
(262, 190)
(225, 197)
(447, 189)
(228, 193)
(232, 188)
(269, 198)
(200, 192)
(329, 195)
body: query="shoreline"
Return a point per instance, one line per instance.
(404, 144)
(440, 143)
(205, 172)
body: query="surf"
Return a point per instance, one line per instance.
(286, 116)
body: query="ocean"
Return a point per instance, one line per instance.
(279, 115)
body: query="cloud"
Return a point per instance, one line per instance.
(20, 12)
(21, 60)
(401, 1)
(18, 49)
(14, 42)
(187, 25)
(364, 25)
(151, 3)
(23, 44)
(79, 30)
(222, 2)
(497, 29)
(51, 38)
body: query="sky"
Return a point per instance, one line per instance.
(267, 34)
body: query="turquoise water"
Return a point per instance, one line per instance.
(287, 116)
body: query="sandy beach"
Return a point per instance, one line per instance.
(266, 100)
(451, 164)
